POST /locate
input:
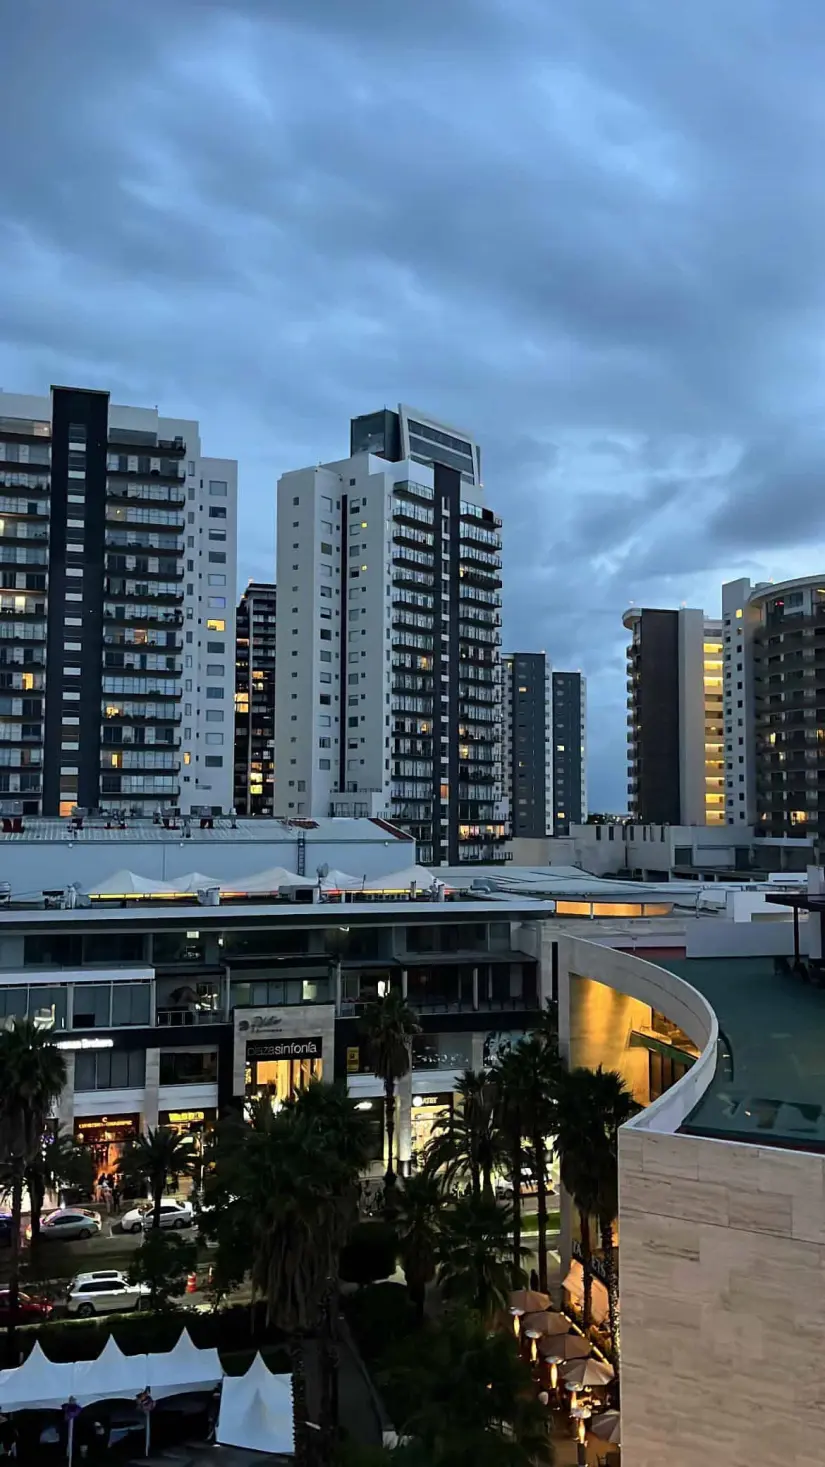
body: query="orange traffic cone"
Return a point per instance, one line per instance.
(191, 1283)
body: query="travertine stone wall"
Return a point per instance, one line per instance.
(722, 1259)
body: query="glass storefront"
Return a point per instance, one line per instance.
(105, 1136)
(424, 1112)
(282, 1067)
(197, 1126)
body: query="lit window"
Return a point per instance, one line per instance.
(739, 614)
(215, 624)
(187, 757)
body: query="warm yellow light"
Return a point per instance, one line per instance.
(534, 1354)
(739, 614)
(215, 624)
(581, 1431)
(554, 1375)
(187, 757)
(28, 681)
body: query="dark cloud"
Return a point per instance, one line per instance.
(591, 233)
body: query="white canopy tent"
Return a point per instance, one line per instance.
(40, 1383)
(417, 876)
(256, 1411)
(129, 883)
(336, 880)
(266, 881)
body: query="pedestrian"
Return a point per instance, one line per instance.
(116, 1198)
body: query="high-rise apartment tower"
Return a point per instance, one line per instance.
(117, 608)
(388, 698)
(255, 700)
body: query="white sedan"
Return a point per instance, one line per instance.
(104, 1292)
(172, 1215)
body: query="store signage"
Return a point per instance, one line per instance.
(422, 1102)
(84, 1044)
(181, 1117)
(284, 1049)
(260, 1024)
(107, 1123)
(353, 1059)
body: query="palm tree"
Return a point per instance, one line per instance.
(538, 1059)
(290, 1180)
(59, 1162)
(467, 1142)
(592, 1105)
(390, 1026)
(419, 1208)
(476, 1266)
(511, 1104)
(471, 1401)
(161, 1156)
(32, 1075)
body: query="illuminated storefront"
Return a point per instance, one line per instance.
(282, 1067)
(424, 1112)
(106, 1136)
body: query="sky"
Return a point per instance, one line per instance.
(591, 233)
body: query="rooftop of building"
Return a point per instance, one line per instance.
(216, 831)
(769, 1085)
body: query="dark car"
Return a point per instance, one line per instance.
(5, 1229)
(30, 1309)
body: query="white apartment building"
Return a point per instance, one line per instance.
(118, 551)
(388, 699)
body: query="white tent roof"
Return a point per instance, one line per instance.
(40, 1383)
(336, 880)
(126, 883)
(266, 881)
(193, 881)
(185, 1368)
(256, 1411)
(402, 880)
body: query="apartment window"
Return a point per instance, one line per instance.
(213, 761)
(215, 602)
(325, 743)
(326, 503)
(215, 624)
(325, 571)
(217, 487)
(212, 646)
(216, 535)
(215, 669)
(214, 738)
(214, 692)
(217, 580)
(325, 634)
(325, 700)
(214, 715)
(323, 763)
(216, 512)
(325, 591)
(326, 656)
(326, 548)
(217, 557)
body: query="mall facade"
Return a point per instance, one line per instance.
(173, 1015)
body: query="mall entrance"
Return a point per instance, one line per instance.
(281, 1068)
(105, 1137)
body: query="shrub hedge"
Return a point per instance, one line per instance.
(142, 1333)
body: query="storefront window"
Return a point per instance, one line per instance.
(433, 988)
(282, 1067)
(92, 1006)
(449, 938)
(373, 1112)
(105, 1136)
(278, 992)
(110, 1069)
(130, 1003)
(425, 1111)
(442, 1052)
(181, 1067)
(263, 944)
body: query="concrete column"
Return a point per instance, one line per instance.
(403, 1122)
(150, 1104)
(65, 1100)
(475, 988)
(338, 987)
(404, 981)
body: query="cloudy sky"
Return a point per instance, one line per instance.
(591, 232)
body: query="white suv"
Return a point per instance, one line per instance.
(172, 1215)
(104, 1292)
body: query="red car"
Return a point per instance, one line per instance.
(29, 1309)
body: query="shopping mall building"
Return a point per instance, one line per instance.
(172, 1010)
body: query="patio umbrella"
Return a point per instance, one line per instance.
(608, 1427)
(526, 1301)
(581, 1374)
(544, 1322)
(557, 1348)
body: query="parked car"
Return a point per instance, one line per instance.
(172, 1215)
(67, 1224)
(5, 1229)
(30, 1309)
(104, 1292)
